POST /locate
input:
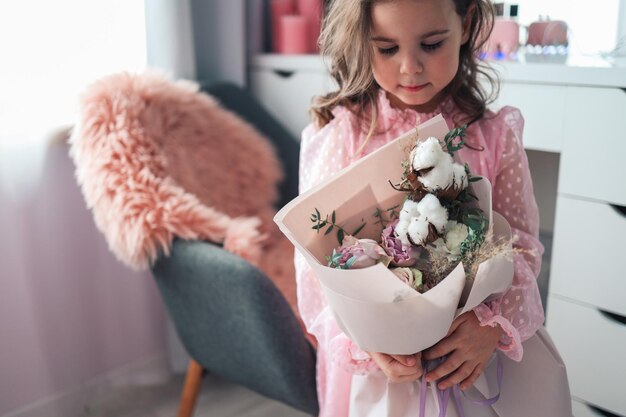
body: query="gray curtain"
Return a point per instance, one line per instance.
(198, 39)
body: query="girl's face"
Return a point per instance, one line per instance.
(416, 50)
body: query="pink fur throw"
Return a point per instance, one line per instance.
(156, 159)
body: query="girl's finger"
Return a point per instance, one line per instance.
(442, 348)
(406, 378)
(457, 322)
(460, 375)
(469, 381)
(449, 365)
(406, 360)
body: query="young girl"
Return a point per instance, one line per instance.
(398, 63)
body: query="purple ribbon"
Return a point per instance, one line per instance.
(443, 397)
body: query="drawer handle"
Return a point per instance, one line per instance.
(620, 209)
(284, 73)
(601, 411)
(613, 316)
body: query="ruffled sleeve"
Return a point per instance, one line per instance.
(519, 312)
(323, 152)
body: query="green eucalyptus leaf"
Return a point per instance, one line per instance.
(340, 235)
(356, 232)
(350, 262)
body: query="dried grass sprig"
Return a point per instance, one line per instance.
(439, 265)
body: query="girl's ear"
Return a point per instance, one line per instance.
(467, 23)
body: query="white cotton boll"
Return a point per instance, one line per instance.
(427, 154)
(409, 209)
(441, 176)
(418, 230)
(430, 208)
(460, 176)
(402, 230)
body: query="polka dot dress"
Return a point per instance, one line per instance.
(501, 159)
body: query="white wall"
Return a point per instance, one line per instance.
(593, 24)
(69, 311)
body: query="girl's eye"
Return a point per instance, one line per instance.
(388, 51)
(431, 46)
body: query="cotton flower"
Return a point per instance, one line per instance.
(427, 154)
(419, 223)
(435, 213)
(436, 170)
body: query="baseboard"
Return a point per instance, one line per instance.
(73, 401)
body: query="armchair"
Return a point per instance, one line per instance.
(231, 317)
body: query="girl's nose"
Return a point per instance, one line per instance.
(411, 64)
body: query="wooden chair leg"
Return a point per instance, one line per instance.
(193, 380)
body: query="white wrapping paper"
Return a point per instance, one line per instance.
(372, 306)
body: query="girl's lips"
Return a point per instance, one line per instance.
(413, 88)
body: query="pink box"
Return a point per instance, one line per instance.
(504, 39)
(279, 8)
(551, 32)
(295, 35)
(312, 10)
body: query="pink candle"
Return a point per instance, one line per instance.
(279, 8)
(312, 10)
(295, 35)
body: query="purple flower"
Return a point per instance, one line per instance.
(358, 253)
(402, 255)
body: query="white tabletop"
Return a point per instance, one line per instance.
(526, 68)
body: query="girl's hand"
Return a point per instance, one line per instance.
(470, 346)
(399, 368)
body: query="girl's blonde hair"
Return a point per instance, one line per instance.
(345, 44)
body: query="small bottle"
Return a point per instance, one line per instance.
(514, 12)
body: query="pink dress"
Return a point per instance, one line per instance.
(503, 161)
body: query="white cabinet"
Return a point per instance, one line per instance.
(593, 159)
(586, 313)
(581, 409)
(587, 263)
(543, 108)
(591, 344)
(286, 87)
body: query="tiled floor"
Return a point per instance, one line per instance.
(218, 398)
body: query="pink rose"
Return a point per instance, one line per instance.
(402, 255)
(358, 253)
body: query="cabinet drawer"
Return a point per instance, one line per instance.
(588, 253)
(542, 107)
(592, 348)
(287, 95)
(582, 409)
(593, 158)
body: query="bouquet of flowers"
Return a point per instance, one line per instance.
(432, 227)
(429, 228)
(437, 226)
